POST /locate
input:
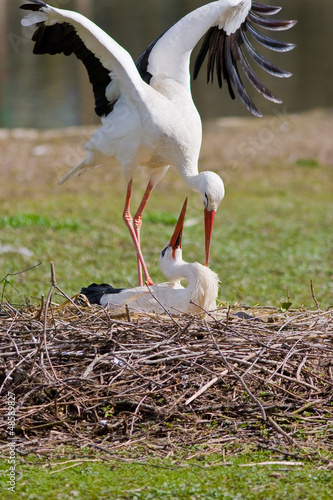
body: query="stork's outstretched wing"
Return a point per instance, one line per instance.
(63, 31)
(226, 51)
(227, 28)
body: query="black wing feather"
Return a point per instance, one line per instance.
(250, 74)
(28, 6)
(262, 62)
(226, 71)
(143, 61)
(213, 46)
(270, 24)
(95, 292)
(267, 10)
(236, 80)
(268, 42)
(202, 52)
(61, 38)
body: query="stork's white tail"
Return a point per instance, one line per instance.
(77, 171)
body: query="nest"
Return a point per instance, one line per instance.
(87, 377)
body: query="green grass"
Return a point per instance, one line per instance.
(199, 479)
(272, 234)
(24, 220)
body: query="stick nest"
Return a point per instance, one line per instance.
(84, 376)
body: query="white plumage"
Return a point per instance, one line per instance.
(200, 293)
(148, 115)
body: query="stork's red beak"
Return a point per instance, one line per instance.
(209, 221)
(176, 238)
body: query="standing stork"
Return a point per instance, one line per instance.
(200, 293)
(147, 112)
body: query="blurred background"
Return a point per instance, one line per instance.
(54, 91)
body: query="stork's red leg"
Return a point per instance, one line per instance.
(129, 223)
(137, 220)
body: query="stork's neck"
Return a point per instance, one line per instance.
(192, 177)
(202, 288)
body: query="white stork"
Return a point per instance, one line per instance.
(147, 112)
(200, 293)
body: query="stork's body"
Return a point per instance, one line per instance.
(147, 112)
(199, 295)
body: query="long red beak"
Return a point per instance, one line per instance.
(176, 238)
(209, 221)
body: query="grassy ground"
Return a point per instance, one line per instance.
(272, 231)
(91, 477)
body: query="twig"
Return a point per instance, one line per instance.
(65, 468)
(41, 309)
(138, 373)
(162, 306)
(277, 450)
(277, 462)
(90, 367)
(281, 375)
(313, 295)
(289, 321)
(4, 280)
(20, 272)
(135, 413)
(203, 389)
(261, 408)
(128, 460)
(299, 369)
(47, 304)
(75, 460)
(128, 314)
(305, 407)
(279, 430)
(9, 374)
(284, 361)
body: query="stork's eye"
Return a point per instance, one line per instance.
(163, 251)
(206, 200)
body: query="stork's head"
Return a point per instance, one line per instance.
(171, 254)
(211, 188)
